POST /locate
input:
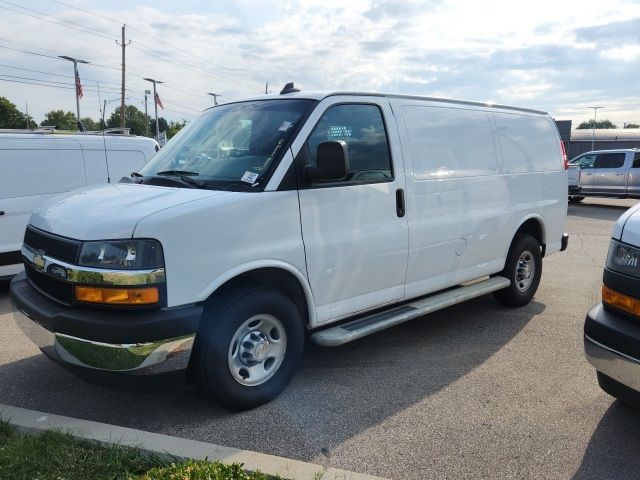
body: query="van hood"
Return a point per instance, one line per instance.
(631, 228)
(109, 211)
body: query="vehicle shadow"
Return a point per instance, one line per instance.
(614, 448)
(596, 211)
(337, 394)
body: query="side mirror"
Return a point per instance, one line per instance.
(332, 162)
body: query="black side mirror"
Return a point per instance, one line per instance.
(332, 162)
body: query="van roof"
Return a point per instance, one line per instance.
(321, 95)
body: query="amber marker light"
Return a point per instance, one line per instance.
(117, 296)
(620, 301)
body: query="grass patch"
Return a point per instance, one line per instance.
(58, 456)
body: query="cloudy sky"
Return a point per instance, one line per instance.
(559, 56)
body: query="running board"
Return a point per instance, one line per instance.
(355, 329)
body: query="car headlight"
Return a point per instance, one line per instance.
(624, 258)
(122, 254)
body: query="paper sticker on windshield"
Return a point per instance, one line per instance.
(250, 177)
(284, 126)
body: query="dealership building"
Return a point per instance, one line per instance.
(579, 141)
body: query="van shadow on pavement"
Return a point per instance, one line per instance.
(597, 211)
(614, 448)
(337, 394)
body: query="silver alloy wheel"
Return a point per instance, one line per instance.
(525, 271)
(257, 350)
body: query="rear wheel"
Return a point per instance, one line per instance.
(524, 269)
(250, 347)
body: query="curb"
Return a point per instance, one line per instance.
(34, 422)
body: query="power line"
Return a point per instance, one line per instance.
(57, 74)
(44, 83)
(82, 28)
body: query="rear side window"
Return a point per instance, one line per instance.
(529, 144)
(449, 142)
(362, 128)
(636, 161)
(610, 160)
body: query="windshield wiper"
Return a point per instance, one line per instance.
(177, 173)
(136, 174)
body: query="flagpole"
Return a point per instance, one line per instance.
(76, 81)
(155, 104)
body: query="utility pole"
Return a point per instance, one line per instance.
(215, 97)
(123, 44)
(593, 130)
(155, 103)
(146, 115)
(26, 105)
(76, 79)
(266, 88)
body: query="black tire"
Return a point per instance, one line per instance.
(618, 390)
(222, 320)
(514, 295)
(575, 199)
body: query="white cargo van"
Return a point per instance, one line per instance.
(340, 214)
(36, 166)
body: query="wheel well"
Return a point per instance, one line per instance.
(534, 228)
(276, 278)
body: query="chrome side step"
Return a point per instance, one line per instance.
(350, 331)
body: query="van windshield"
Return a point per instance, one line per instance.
(231, 146)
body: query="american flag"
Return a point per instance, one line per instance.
(158, 101)
(79, 92)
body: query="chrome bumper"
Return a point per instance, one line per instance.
(616, 365)
(163, 356)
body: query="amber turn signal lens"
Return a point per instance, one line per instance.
(620, 301)
(117, 296)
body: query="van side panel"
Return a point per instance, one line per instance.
(534, 175)
(468, 194)
(455, 197)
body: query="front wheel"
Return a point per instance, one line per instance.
(575, 199)
(250, 347)
(524, 269)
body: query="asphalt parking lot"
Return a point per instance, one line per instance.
(474, 391)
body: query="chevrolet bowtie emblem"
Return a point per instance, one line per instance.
(39, 261)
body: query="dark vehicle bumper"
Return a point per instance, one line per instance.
(129, 349)
(612, 345)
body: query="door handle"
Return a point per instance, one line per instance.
(400, 203)
(619, 173)
(588, 173)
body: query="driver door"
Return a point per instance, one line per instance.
(354, 230)
(587, 171)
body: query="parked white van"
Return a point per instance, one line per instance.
(341, 214)
(37, 166)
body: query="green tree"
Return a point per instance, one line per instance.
(133, 119)
(90, 124)
(61, 120)
(11, 117)
(598, 124)
(631, 125)
(175, 127)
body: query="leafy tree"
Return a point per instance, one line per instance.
(632, 125)
(90, 124)
(11, 117)
(175, 127)
(598, 124)
(61, 120)
(133, 119)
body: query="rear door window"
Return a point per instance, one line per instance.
(636, 161)
(610, 160)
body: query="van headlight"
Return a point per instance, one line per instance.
(122, 254)
(624, 258)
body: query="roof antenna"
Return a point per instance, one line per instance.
(289, 88)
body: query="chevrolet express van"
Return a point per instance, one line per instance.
(612, 327)
(285, 218)
(36, 166)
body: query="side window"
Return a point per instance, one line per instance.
(610, 160)
(587, 161)
(636, 161)
(362, 128)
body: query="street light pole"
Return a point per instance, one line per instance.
(146, 115)
(593, 130)
(75, 80)
(155, 103)
(215, 97)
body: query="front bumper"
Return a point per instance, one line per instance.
(612, 344)
(107, 345)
